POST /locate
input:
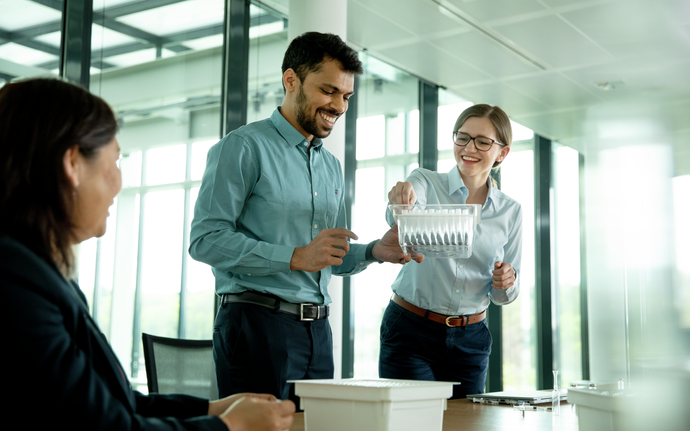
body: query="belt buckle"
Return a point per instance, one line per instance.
(464, 321)
(301, 313)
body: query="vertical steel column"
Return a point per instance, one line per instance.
(428, 125)
(350, 172)
(542, 229)
(584, 316)
(234, 80)
(494, 318)
(494, 375)
(75, 41)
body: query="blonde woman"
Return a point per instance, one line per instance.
(435, 325)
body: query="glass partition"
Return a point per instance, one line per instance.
(519, 324)
(566, 270)
(387, 150)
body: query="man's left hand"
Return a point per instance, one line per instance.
(388, 249)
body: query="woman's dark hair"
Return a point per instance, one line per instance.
(307, 52)
(40, 119)
(498, 118)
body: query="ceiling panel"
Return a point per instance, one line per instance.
(554, 90)
(434, 64)
(494, 59)
(487, 10)
(420, 18)
(631, 78)
(367, 29)
(564, 126)
(510, 100)
(630, 28)
(553, 42)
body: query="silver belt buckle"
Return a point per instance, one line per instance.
(301, 313)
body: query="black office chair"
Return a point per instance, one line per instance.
(176, 366)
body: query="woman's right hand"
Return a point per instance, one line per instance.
(259, 414)
(402, 193)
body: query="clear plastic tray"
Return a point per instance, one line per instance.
(437, 230)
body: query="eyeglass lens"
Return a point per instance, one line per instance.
(463, 139)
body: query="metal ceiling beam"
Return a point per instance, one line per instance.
(173, 42)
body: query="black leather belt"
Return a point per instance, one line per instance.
(304, 311)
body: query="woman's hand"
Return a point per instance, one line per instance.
(251, 412)
(503, 276)
(402, 193)
(218, 407)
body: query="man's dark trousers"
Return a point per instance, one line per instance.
(257, 349)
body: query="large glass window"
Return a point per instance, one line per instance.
(387, 151)
(519, 324)
(566, 271)
(29, 39)
(159, 66)
(450, 107)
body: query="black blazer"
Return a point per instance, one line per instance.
(58, 371)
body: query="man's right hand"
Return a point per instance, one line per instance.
(328, 248)
(258, 414)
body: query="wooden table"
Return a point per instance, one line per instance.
(464, 415)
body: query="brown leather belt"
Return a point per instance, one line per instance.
(452, 321)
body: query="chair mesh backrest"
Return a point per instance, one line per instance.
(184, 369)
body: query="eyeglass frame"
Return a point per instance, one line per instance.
(473, 138)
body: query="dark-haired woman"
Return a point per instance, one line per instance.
(60, 174)
(435, 325)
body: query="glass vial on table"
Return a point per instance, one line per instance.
(555, 395)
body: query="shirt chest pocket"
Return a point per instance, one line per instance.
(331, 201)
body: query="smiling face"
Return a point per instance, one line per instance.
(313, 106)
(99, 181)
(471, 162)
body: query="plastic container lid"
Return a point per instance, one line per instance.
(373, 389)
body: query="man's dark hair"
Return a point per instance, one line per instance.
(41, 120)
(308, 51)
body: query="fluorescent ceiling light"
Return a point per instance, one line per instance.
(23, 55)
(20, 14)
(177, 17)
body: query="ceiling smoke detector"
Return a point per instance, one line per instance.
(608, 85)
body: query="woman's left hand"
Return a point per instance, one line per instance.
(503, 276)
(218, 407)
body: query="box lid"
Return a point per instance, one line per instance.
(373, 389)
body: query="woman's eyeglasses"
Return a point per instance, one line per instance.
(480, 143)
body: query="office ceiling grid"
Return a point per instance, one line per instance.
(124, 32)
(541, 56)
(533, 57)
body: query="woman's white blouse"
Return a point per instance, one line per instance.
(463, 286)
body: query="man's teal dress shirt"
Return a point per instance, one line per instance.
(264, 193)
(463, 286)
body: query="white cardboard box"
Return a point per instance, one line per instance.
(373, 404)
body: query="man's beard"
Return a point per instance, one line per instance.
(309, 123)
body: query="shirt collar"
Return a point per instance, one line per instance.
(289, 133)
(456, 183)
